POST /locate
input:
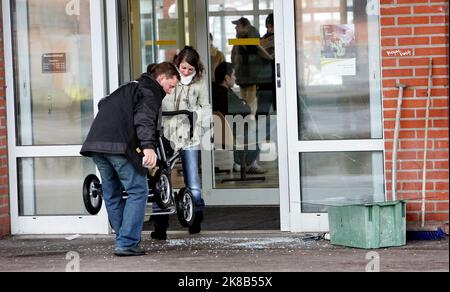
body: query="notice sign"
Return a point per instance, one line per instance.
(54, 63)
(168, 33)
(338, 50)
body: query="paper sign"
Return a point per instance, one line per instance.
(338, 50)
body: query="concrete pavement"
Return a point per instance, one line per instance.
(216, 252)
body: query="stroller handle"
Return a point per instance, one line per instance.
(187, 113)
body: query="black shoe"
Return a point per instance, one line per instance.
(161, 226)
(159, 235)
(131, 252)
(196, 227)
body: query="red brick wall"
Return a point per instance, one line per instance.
(4, 190)
(413, 31)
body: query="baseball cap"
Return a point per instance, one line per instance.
(243, 21)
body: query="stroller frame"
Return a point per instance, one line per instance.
(161, 192)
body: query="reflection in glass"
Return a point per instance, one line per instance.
(52, 186)
(53, 72)
(162, 31)
(255, 74)
(334, 179)
(336, 51)
(230, 5)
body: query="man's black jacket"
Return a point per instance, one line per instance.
(127, 121)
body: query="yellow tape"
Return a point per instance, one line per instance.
(244, 42)
(161, 43)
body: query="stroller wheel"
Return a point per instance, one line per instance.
(185, 208)
(92, 194)
(163, 189)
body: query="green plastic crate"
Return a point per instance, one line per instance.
(369, 226)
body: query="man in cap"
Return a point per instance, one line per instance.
(246, 61)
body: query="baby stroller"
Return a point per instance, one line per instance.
(161, 192)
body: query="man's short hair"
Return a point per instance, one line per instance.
(222, 71)
(167, 69)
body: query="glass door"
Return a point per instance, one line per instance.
(155, 31)
(333, 107)
(242, 34)
(55, 49)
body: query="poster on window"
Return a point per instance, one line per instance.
(338, 53)
(168, 33)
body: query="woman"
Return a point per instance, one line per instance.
(190, 94)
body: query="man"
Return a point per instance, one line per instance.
(122, 143)
(228, 103)
(267, 90)
(246, 61)
(217, 57)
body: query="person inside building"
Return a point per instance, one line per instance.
(267, 91)
(190, 94)
(267, 88)
(217, 57)
(227, 102)
(122, 144)
(247, 60)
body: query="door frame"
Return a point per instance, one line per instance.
(51, 224)
(287, 87)
(212, 196)
(227, 197)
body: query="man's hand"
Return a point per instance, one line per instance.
(150, 158)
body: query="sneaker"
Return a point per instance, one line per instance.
(131, 252)
(255, 168)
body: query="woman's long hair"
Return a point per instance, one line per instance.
(192, 57)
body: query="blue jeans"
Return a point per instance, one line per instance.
(192, 177)
(126, 217)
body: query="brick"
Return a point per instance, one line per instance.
(412, 217)
(411, 1)
(439, 40)
(397, 72)
(439, 19)
(415, 186)
(413, 82)
(407, 175)
(442, 186)
(389, 63)
(429, 30)
(389, 42)
(396, 31)
(439, 217)
(395, 10)
(417, 207)
(440, 81)
(431, 51)
(414, 41)
(413, 20)
(415, 165)
(437, 196)
(440, 124)
(442, 206)
(442, 9)
(387, 21)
